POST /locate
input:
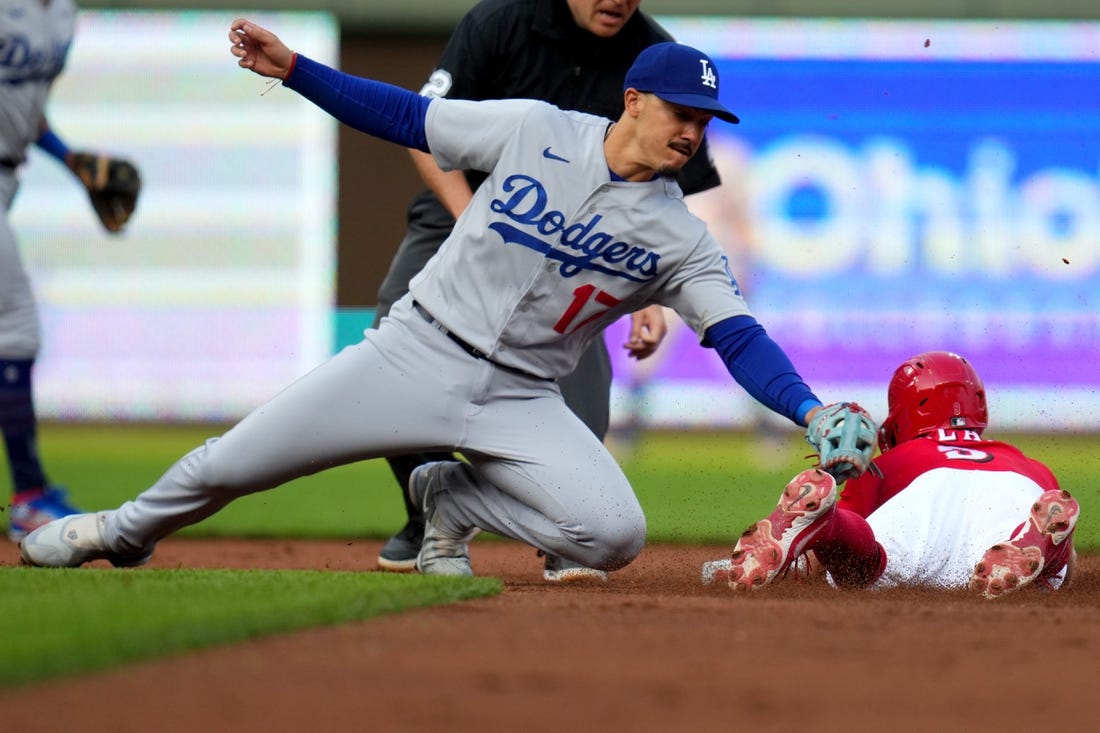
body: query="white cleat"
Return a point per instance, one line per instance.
(559, 570)
(70, 542)
(442, 552)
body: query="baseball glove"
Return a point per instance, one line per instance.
(844, 436)
(113, 186)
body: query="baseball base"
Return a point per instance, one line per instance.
(717, 571)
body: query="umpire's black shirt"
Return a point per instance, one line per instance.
(533, 49)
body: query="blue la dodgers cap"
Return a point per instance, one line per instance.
(679, 74)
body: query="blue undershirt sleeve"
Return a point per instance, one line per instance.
(52, 144)
(382, 110)
(761, 367)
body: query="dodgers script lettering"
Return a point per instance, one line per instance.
(581, 245)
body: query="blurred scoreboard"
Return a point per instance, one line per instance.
(221, 289)
(896, 187)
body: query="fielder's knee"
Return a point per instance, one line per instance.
(615, 545)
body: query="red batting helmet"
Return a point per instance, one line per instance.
(937, 389)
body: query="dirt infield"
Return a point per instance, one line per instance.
(652, 650)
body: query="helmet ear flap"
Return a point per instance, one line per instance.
(886, 435)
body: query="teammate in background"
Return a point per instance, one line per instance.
(577, 224)
(35, 36)
(937, 507)
(574, 55)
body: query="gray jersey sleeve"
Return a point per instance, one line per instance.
(703, 290)
(473, 135)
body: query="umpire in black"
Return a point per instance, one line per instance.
(575, 55)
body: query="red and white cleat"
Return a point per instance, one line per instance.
(1040, 549)
(766, 549)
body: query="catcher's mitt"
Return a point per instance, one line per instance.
(113, 186)
(844, 436)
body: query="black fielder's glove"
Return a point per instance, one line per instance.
(113, 186)
(844, 436)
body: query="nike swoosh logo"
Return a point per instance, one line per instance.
(547, 154)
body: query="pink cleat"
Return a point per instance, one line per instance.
(1038, 551)
(767, 549)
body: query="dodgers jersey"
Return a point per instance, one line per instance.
(34, 43)
(551, 250)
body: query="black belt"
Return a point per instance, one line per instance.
(471, 350)
(9, 163)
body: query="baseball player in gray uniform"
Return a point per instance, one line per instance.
(577, 224)
(35, 36)
(34, 41)
(573, 54)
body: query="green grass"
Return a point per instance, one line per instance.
(694, 486)
(126, 616)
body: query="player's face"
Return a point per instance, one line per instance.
(669, 134)
(603, 18)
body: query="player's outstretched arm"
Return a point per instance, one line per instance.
(382, 110)
(761, 367)
(259, 50)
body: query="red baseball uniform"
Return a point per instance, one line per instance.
(937, 503)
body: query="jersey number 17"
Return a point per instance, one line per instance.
(581, 296)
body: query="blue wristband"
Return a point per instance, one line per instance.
(803, 409)
(53, 145)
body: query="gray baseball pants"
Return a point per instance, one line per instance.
(534, 474)
(19, 324)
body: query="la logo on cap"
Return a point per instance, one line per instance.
(679, 74)
(709, 77)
